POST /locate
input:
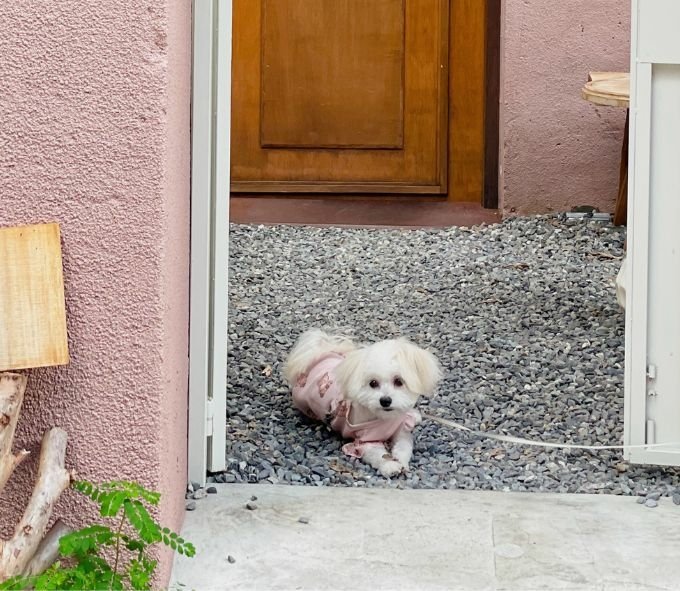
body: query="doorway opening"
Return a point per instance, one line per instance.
(552, 290)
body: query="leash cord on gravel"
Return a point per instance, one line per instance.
(536, 443)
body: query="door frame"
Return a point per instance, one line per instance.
(210, 159)
(492, 104)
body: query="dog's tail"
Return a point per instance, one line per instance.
(311, 345)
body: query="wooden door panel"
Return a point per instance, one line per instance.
(345, 96)
(330, 79)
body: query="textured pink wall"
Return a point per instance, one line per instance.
(557, 150)
(94, 134)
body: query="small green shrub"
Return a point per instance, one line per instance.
(83, 562)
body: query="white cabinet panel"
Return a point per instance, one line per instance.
(652, 413)
(658, 31)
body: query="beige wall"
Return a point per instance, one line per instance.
(95, 135)
(557, 150)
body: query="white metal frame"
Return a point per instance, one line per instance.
(210, 146)
(652, 378)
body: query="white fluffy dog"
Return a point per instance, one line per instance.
(365, 393)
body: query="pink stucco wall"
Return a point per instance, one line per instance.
(557, 150)
(94, 134)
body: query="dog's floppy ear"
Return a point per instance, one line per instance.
(420, 369)
(350, 373)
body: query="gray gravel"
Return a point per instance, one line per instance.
(522, 315)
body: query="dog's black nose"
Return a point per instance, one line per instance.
(385, 401)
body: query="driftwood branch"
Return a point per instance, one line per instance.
(53, 479)
(48, 550)
(12, 388)
(26, 551)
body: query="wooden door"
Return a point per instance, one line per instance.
(344, 96)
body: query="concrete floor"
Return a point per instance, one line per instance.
(427, 539)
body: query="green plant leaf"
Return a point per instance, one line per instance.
(111, 504)
(139, 518)
(86, 540)
(133, 545)
(86, 488)
(134, 491)
(140, 573)
(90, 573)
(84, 565)
(17, 583)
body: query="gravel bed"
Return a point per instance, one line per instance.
(522, 315)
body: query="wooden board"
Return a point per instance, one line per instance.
(32, 311)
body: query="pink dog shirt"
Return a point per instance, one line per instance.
(317, 395)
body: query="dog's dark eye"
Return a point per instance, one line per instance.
(374, 384)
(398, 382)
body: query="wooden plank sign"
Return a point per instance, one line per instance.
(32, 310)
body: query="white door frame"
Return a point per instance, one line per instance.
(652, 382)
(210, 147)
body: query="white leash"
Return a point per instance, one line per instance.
(522, 441)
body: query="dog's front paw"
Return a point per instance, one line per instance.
(390, 468)
(403, 456)
(405, 469)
